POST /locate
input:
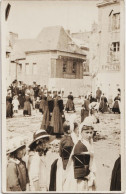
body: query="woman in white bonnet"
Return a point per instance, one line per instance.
(84, 146)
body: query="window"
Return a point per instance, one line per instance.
(19, 68)
(64, 67)
(116, 21)
(27, 68)
(74, 67)
(34, 69)
(7, 55)
(115, 46)
(114, 52)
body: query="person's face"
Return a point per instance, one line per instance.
(42, 143)
(87, 134)
(20, 153)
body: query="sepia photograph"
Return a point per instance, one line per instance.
(63, 110)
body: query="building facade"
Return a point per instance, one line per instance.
(52, 59)
(109, 74)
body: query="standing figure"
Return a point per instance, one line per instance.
(42, 103)
(81, 170)
(56, 120)
(9, 107)
(98, 94)
(15, 103)
(17, 175)
(85, 110)
(116, 106)
(58, 167)
(38, 165)
(103, 106)
(46, 114)
(70, 103)
(27, 106)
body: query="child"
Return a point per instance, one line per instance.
(15, 103)
(80, 172)
(37, 104)
(37, 162)
(17, 176)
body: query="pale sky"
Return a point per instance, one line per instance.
(27, 18)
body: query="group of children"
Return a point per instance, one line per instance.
(73, 170)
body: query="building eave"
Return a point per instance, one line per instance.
(39, 51)
(103, 4)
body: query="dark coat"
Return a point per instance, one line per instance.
(52, 185)
(9, 107)
(116, 176)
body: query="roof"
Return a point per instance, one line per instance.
(50, 38)
(103, 3)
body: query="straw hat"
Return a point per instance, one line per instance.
(41, 133)
(14, 144)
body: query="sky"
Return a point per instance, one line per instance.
(27, 18)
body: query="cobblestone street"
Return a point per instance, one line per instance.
(107, 144)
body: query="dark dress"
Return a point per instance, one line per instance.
(56, 120)
(116, 105)
(65, 142)
(21, 98)
(70, 104)
(42, 104)
(27, 106)
(116, 176)
(46, 116)
(9, 107)
(85, 110)
(103, 107)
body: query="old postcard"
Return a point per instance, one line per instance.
(63, 96)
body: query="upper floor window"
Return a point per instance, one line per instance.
(27, 68)
(64, 67)
(34, 69)
(116, 21)
(114, 53)
(115, 46)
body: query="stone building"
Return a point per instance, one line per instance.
(90, 40)
(52, 59)
(109, 74)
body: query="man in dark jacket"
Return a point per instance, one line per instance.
(98, 94)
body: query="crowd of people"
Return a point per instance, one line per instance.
(74, 169)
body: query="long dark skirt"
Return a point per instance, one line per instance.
(116, 107)
(27, 108)
(46, 119)
(116, 176)
(70, 105)
(103, 107)
(42, 106)
(84, 114)
(56, 121)
(9, 110)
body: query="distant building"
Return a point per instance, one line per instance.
(52, 59)
(108, 76)
(89, 39)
